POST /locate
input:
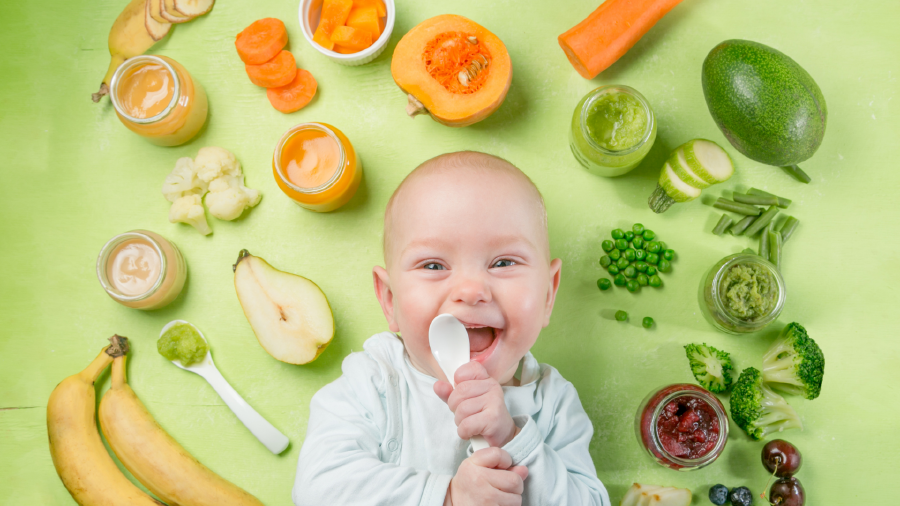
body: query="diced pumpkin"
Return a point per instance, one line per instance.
(334, 14)
(453, 69)
(378, 4)
(323, 39)
(351, 38)
(365, 18)
(344, 50)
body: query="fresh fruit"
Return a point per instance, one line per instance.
(777, 117)
(781, 458)
(295, 95)
(78, 454)
(288, 313)
(741, 496)
(693, 166)
(453, 69)
(279, 71)
(170, 13)
(787, 492)
(718, 494)
(153, 457)
(261, 41)
(128, 37)
(156, 28)
(193, 8)
(653, 495)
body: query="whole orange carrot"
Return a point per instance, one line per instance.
(609, 32)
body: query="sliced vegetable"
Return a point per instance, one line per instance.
(756, 200)
(261, 41)
(708, 160)
(670, 190)
(782, 202)
(774, 247)
(351, 38)
(788, 227)
(278, 71)
(739, 227)
(680, 166)
(609, 32)
(763, 220)
(366, 19)
(735, 207)
(700, 163)
(724, 222)
(378, 4)
(294, 95)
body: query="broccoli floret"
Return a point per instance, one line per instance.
(757, 409)
(794, 363)
(711, 367)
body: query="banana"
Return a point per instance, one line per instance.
(128, 37)
(81, 461)
(154, 458)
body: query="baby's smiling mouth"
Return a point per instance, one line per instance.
(481, 339)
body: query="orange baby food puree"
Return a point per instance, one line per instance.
(316, 166)
(145, 91)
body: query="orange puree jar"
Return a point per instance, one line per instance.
(156, 98)
(316, 166)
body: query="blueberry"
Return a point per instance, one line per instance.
(741, 496)
(718, 494)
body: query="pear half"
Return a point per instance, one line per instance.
(288, 313)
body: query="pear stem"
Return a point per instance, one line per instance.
(242, 255)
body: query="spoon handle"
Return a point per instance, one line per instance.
(479, 443)
(267, 434)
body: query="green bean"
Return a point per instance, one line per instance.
(775, 243)
(621, 316)
(724, 222)
(632, 286)
(764, 242)
(782, 202)
(736, 229)
(607, 245)
(647, 322)
(619, 280)
(604, 284)
(617, 233)
(755, 200)
(763, 220)
(734, 207)
(643, 279)
(637, 228)
(788, 227)
(615, 254)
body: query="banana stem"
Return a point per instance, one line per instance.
(96, 368)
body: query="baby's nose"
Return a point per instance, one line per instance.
(471, 289)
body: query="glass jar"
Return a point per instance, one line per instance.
(606, 160)
(718, 305)
(178, 120)
(335, 191)
(660, 405)
(159, 255)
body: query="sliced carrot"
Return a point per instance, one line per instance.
(351, 38)
(294, 95)
(365, 18)
(276, 72)
(609, 32)
(378, 4)
(334, 14)
(323, 39)
(261, 41)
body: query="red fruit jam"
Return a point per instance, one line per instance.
(682, 426)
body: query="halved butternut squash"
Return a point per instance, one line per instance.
(453, 69)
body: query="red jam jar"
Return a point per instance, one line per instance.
(682, 426)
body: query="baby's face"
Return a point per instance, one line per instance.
(473, 245)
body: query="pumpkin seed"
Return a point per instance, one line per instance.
(463, 78)
(472, 39)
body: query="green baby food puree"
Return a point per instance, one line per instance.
(616, 121)
(750, 292)
(182, 342)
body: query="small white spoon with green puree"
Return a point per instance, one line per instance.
(267, 434)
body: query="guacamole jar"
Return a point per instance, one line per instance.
(742, 293)
(613, 129)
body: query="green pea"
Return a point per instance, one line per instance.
(630, 271)
(604, 284)
(618, 233)
(664, 265)
(640, 254)
(651, 270)
(607, 245)
(669, 254)
(613, 269)
(621, 244)
(653, 247)
(663, 246)
(619, 280)
(641, 266)
(652, 258)
(637, 242)
(655, 281)
(621, 316)
(637, 228)
(648, 322)
(629, 254)
(622, 263)
(632, 286)
(605, 261)
(629, 235)
(615, 254)
(649, 235)
(643, 280)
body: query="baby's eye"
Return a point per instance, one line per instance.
(503, 263)
(432, 266)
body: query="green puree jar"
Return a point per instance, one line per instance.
(613, 129)
(742, 293)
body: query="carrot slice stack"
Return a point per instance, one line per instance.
(278, 71)
(261, 41)
(295, 95)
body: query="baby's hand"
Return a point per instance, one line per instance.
(478, 405)
(486, 478)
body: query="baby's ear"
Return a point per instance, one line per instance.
(555, 276)
(385, 296)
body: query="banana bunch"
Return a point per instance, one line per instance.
(141, 25)
(146, 450)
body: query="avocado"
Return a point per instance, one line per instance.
(768, 107)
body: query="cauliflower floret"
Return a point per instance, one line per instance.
(212, 162)
(183, 181)
(189, 209)
(228, 197)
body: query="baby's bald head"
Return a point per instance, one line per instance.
(462, 169)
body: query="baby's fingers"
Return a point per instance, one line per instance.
(505, 481)
(522, 471)
(443, 390)
(492, 458)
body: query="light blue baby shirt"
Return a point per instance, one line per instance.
(379, 435)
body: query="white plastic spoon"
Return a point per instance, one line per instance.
(449, 343)
(267, 434)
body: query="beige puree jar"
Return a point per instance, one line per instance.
(141, 270)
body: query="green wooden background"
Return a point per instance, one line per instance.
(73, 176)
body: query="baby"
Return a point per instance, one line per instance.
(466, 234)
